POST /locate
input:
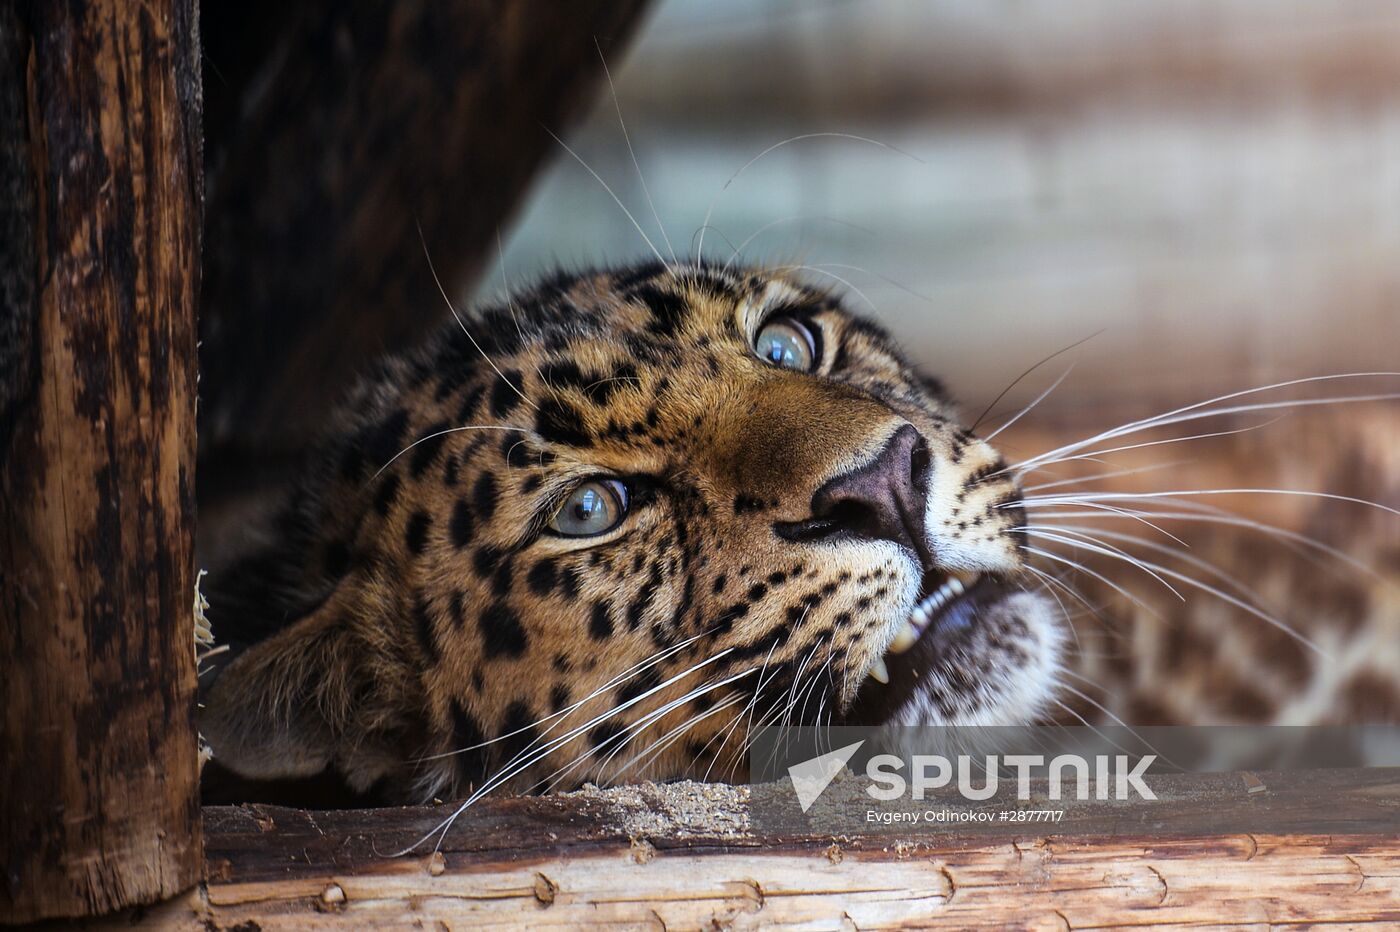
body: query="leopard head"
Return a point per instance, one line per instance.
(602, 531)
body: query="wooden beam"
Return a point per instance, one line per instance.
(686, 856)
(100, 194)
(340, 131)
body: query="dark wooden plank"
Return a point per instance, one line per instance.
(339, 131)
(686, 856)
(99, 276)
(248, 844)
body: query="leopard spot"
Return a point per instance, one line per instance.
(560, 422)
(607, 736)
(467, 733)
(460, 527)
(426, 448)
(415, 535)
(543, 577)
(386, 494)
(506, 393)
(600, 624)
(501, 632)
(484, 496)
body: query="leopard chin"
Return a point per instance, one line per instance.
(976, 650)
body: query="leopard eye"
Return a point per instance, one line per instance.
(787, 343)
(593, 507)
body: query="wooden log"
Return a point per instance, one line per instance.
(685, 856)
(100, 194)
(340, 131)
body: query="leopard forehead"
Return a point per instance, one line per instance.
(637, 373)
(422, 538)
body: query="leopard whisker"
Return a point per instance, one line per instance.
(1049, 584)
(505, 287)
(1083, 541)
(660, 745)
(1085, 722)
(634, 728)
(617, 680)
(617, 200)
(781, 707)
(1017, 381)
(790, 219)
(1112, 474)
(607, 713)
(811, 687)
(1150, 420)
(511, 307)
(1283, 535)
(1245, 606)
(772, 713)
(1252, 609)
(797, 681)
(699, 249)
(1181, 414)
(1033, 504)
(1059, 558)
(748, 710)
(1158, 443)
(1202, 564)
(882, 277)
(1026, 410)
(752, 705)
(797, 267)
(627, 138)
(1116, 720)
(432, 269)
(614, 378)
(1100, 497)
(449, 430)
(717, 231)
(511, 768)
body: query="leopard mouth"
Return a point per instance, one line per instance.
(947, 610)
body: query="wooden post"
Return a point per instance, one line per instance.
(389, 121)
(100, 200)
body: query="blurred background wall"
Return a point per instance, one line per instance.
(1215, 184)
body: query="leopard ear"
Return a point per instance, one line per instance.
(279, 710)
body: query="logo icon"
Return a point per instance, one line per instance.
(811, 777)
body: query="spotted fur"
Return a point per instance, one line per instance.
(412, 624)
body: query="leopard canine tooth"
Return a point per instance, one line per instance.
(879, 672)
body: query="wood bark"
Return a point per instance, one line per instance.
(99, 269)
(685, 856)
(345, 142)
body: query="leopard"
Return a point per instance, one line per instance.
(606, 528)
(609, 527)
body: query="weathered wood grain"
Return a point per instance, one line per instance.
(99, 275)
(684, 856)
(345, 138)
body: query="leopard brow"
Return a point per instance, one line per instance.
(757, 308)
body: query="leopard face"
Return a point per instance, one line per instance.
(602, 532)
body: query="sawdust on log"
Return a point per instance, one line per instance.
(685, 809)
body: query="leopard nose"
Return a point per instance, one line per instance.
(881, 500)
